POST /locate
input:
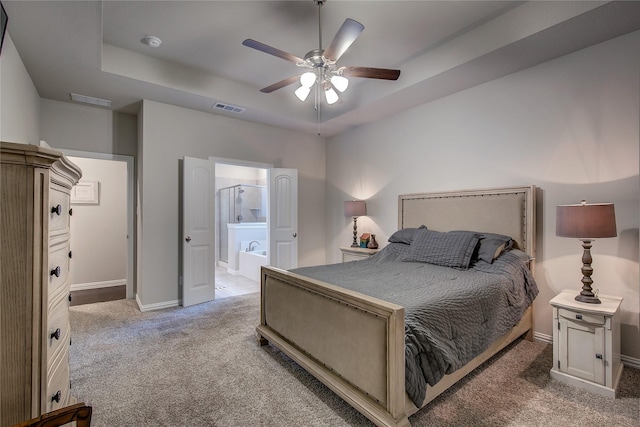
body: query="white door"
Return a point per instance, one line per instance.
(198, 231)
(283, 218)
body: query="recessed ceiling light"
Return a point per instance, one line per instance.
(151, 41)
(90, 100)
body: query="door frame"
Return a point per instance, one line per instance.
(129, 160)
(235, 162)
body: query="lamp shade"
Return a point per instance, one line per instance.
(586, 221)
(355, 208)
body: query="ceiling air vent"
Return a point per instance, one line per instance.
(228, 108)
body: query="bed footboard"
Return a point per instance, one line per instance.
(363, 364)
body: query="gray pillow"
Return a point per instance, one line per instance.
(451, 249)
(492, 246)
(404, 235)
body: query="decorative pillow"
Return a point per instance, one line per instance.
(492, 246)
(404, 236)
(451, 249)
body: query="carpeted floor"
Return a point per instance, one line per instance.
(202, 366)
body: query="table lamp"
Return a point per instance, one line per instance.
(586, 222)
(355, 208)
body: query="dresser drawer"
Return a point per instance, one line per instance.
(58, 327)
(593, 319)
(59, 204)
(58, 386)
(58, 271)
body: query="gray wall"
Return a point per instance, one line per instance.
(569, 126)
(19, 99)
(168, 134)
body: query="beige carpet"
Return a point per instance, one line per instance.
(201, 366)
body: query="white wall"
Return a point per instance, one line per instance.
(19, 99)
(168, 134)
(99, 238)
(569, 126)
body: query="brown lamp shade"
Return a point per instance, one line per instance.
(355, 208)
(586, 221)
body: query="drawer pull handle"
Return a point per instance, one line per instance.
(598, 356)
(71, 212)
(70, 297)
(56, 334)
(56, 397)
(70, 255)
(579, 316)
(56, 209)
(56, 271)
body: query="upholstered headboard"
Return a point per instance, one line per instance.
(509, 211)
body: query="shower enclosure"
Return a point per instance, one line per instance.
(240, 203)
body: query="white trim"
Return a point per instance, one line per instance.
(129, 160)
(538, 336)
(158, 305)
(98, 285)
(630, 361)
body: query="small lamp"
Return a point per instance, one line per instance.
(355, 208)
(586, 222)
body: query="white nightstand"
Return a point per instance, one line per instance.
(355, 254)
(586, 342)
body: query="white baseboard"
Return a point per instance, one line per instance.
(98, 285)
(632, 362)
(156, 306)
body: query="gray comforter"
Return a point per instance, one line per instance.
(451, 315)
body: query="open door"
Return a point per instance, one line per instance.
(198, 231)
(283, 218)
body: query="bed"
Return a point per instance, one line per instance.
(356, 343)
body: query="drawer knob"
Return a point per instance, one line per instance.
(56, 334)
(56, 209)
(56, 271)
(71, 212)
(70, 254)
(579, 316)
(56, 397)
(598, 356)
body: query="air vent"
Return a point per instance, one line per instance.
(90, 100)
(228, 108)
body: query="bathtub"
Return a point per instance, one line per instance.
(250, 263)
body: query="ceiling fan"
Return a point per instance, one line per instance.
(320, 64)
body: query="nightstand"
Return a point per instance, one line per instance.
(586, 342)
(356, 254)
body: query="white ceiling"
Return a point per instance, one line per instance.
(94, 48)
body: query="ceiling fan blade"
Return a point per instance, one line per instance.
(346, 35)
(371, 73)
(280, 84)
(272, 51)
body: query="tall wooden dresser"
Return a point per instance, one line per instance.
(34, 294)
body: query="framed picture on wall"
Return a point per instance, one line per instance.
(86, 192)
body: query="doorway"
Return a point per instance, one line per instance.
(102, 262)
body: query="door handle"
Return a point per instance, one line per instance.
(188, 239)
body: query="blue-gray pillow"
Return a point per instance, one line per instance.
(451, 249)
(404, 235)
(492, 245)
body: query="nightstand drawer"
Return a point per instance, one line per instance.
(593, 319)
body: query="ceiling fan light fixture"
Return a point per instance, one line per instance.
(340, 83)
(308, 79)
(302, 92)
(331, 96)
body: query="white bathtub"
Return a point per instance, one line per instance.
(250, 263)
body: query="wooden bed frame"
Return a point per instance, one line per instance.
(354, 343)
